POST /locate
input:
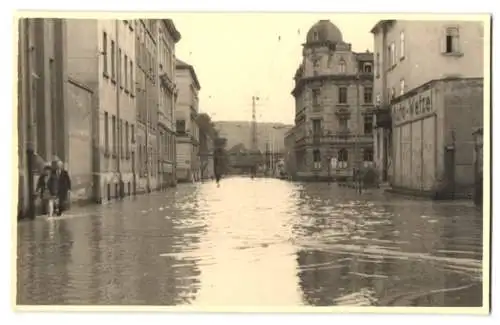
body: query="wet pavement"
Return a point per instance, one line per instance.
(261, 242)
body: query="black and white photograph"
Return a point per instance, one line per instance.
(253, 160)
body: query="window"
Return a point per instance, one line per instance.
(368, 95)
(342, 95)
(342, 66)
(180, 126)
(368, 124)
(106, 133)
(402, 87)
(317, 158)
(367, 68)
(315, 36)
(105, 54)
(452, 40)
(127, 139)
(343, 124)
(392, 55)
(125, 73)
(120, 71)
(113, 130)
(113, 61)
(402, 45)
(377, 65)
(123, 140)
(315, 97)
(342, 158)
(132, 85)
(368, 154)
(132, 133)
(393, 93)
(316, 63)
(316, 124)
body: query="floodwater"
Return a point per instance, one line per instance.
(261, 242)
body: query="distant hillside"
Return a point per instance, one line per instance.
(239, 132)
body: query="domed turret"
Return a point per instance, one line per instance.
(324, 31)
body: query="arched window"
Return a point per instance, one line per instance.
(342, 158)
(367, 68)
(342, 66)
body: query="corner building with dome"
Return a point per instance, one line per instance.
(333, 107)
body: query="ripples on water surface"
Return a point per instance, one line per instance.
(261, 242)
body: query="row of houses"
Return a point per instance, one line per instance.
(408, 109)
(111, 100)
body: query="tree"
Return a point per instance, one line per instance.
(206, 125)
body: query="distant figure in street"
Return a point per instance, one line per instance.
(63, 186)
(218, 164)
(46, 188)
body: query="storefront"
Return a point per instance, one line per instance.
(431, 145)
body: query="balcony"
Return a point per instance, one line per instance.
(317, 108)
(342, 110)
(343, 132)
(316, 138)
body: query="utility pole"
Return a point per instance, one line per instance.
(254, 145)
(254, 123)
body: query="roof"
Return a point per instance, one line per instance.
(364, 56)
(326, 31)
(381, 23)
(169, 24)
(181, 65)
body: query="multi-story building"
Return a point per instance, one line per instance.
(290, 160)
(101, 87)
(187, 132)
(333, 106)
(43, 129)
(429, 97)
(147, 103)
(168, 36)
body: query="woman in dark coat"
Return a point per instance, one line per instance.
(46, 187)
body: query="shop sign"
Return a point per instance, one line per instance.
(414, 107)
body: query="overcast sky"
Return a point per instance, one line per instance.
(237, 56)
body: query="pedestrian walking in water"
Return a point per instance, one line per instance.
(218, 164)
(63, 184)
(46, 188)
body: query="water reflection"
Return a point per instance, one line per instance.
(387, 252)
(255, 242)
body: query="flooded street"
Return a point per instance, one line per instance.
(261, 242)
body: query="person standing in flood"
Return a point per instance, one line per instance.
(46, 188)
(63, 184)
(218, 164)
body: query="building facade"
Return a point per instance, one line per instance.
(333, 106)
(290, 160)
(187, 131)
(42, 115)
(168, 36)
(101, 79)
(146, 103)
(428, 97)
